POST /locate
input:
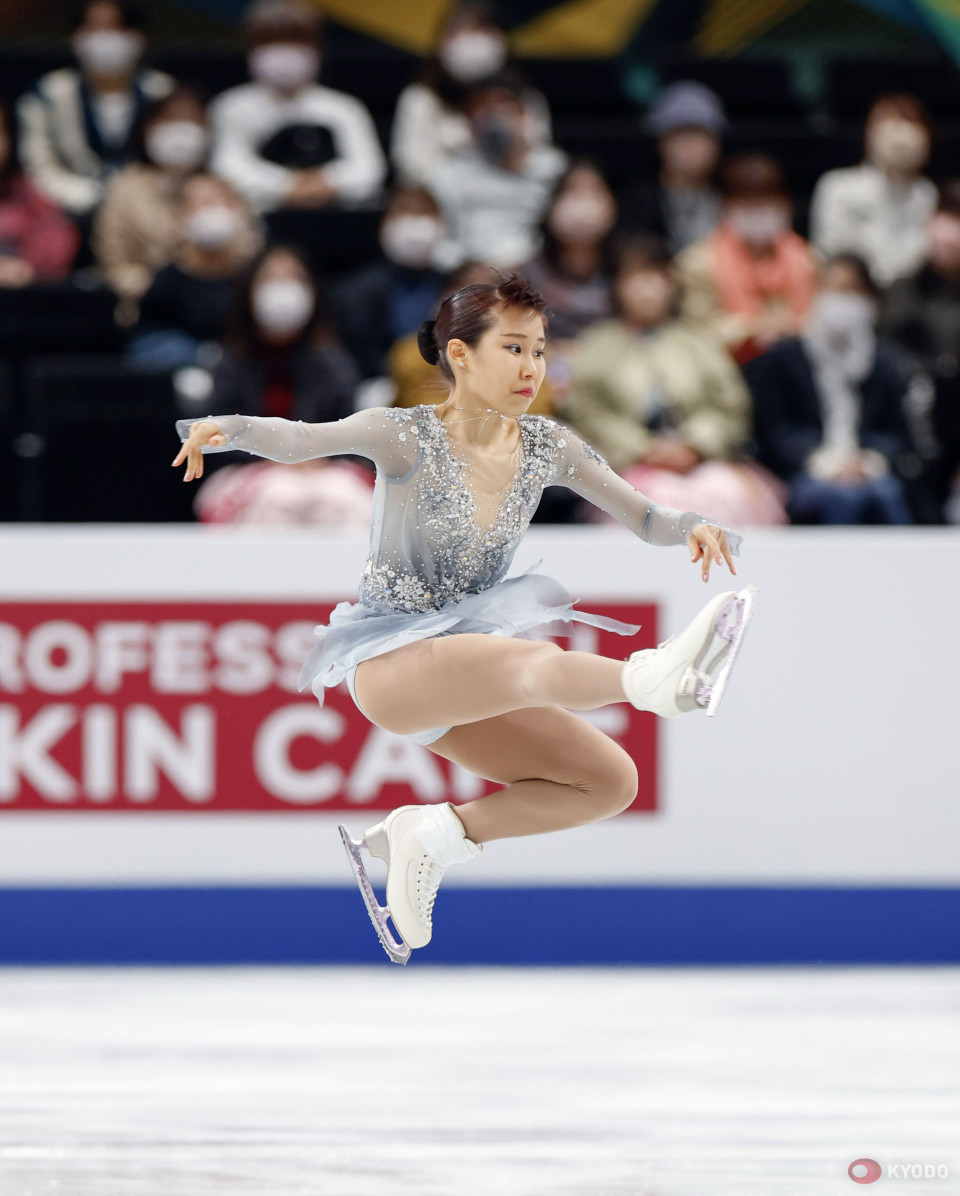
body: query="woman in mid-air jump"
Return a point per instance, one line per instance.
(437, 648)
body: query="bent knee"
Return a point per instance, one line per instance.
(620, 786)
(612, 786)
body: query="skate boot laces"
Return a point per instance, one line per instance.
(429, 875)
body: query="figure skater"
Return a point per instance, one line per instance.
(439, 647)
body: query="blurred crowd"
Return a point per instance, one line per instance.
(717, 358)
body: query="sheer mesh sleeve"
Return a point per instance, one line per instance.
(377, 433)
(585, 471)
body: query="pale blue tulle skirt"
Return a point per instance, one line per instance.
(516, 606)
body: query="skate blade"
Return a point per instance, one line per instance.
(399, 952)
(734, 632)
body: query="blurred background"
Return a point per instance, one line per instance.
(745, 217)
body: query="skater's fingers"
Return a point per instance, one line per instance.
(194, 463)
(717, 545)
(725, 546)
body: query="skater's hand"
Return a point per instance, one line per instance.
(708, 543)
(204, 431)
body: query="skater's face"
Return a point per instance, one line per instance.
(506, 367)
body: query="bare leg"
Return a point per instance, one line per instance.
(559, 770)
(458, 679)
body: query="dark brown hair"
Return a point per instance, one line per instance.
(468, 313)
(642, 251)
(949, 198)
(903, 105)
(8, 126)
(856, 265)
(266, 21)
(753, 176)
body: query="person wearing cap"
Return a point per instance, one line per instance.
(285, 140)
(752, 280)
(682, 204)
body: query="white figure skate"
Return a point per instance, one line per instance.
(418, 844)
(689, 671)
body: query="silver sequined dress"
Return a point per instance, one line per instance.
(433, 568)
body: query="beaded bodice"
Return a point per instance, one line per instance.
(436, 534)
(453, 550)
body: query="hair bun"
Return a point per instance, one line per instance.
(427, 343)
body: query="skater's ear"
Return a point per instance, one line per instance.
(457, 351)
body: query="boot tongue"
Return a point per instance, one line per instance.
(441, 833)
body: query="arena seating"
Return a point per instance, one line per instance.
(95, 444)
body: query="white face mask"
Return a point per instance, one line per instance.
(177, 143)
(213, 226)
(760, 224)
(473, 54)
(581, 218)
(282, 306)
(108, 51)
(286, 66)
(844, 317)
(900, 145)
(411, 240)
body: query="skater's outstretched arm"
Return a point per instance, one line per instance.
(376, 433)
(585, 471)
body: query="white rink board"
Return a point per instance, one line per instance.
(832, 760)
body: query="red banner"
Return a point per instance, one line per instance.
(194, 706)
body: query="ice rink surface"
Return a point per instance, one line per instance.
(431, 1081)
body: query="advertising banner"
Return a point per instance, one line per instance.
(189, 706)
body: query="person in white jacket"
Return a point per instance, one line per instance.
(79, 126)
(879, 210)
(285, 140)
(429, 126)
(493, 193)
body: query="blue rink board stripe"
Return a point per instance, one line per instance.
(535, 925)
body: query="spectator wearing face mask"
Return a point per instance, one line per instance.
(188, 303)
(282, 359)
(388, 299)
(79, 126)
(137, 227)
(281, 354)
(663, 400)
(829, 407)
(573, 268)
(752, 280)
(683, 204)
(922, 314)
(285, 140)
(493, 193)
(37, 242)
(879, 210)
(429, 125)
